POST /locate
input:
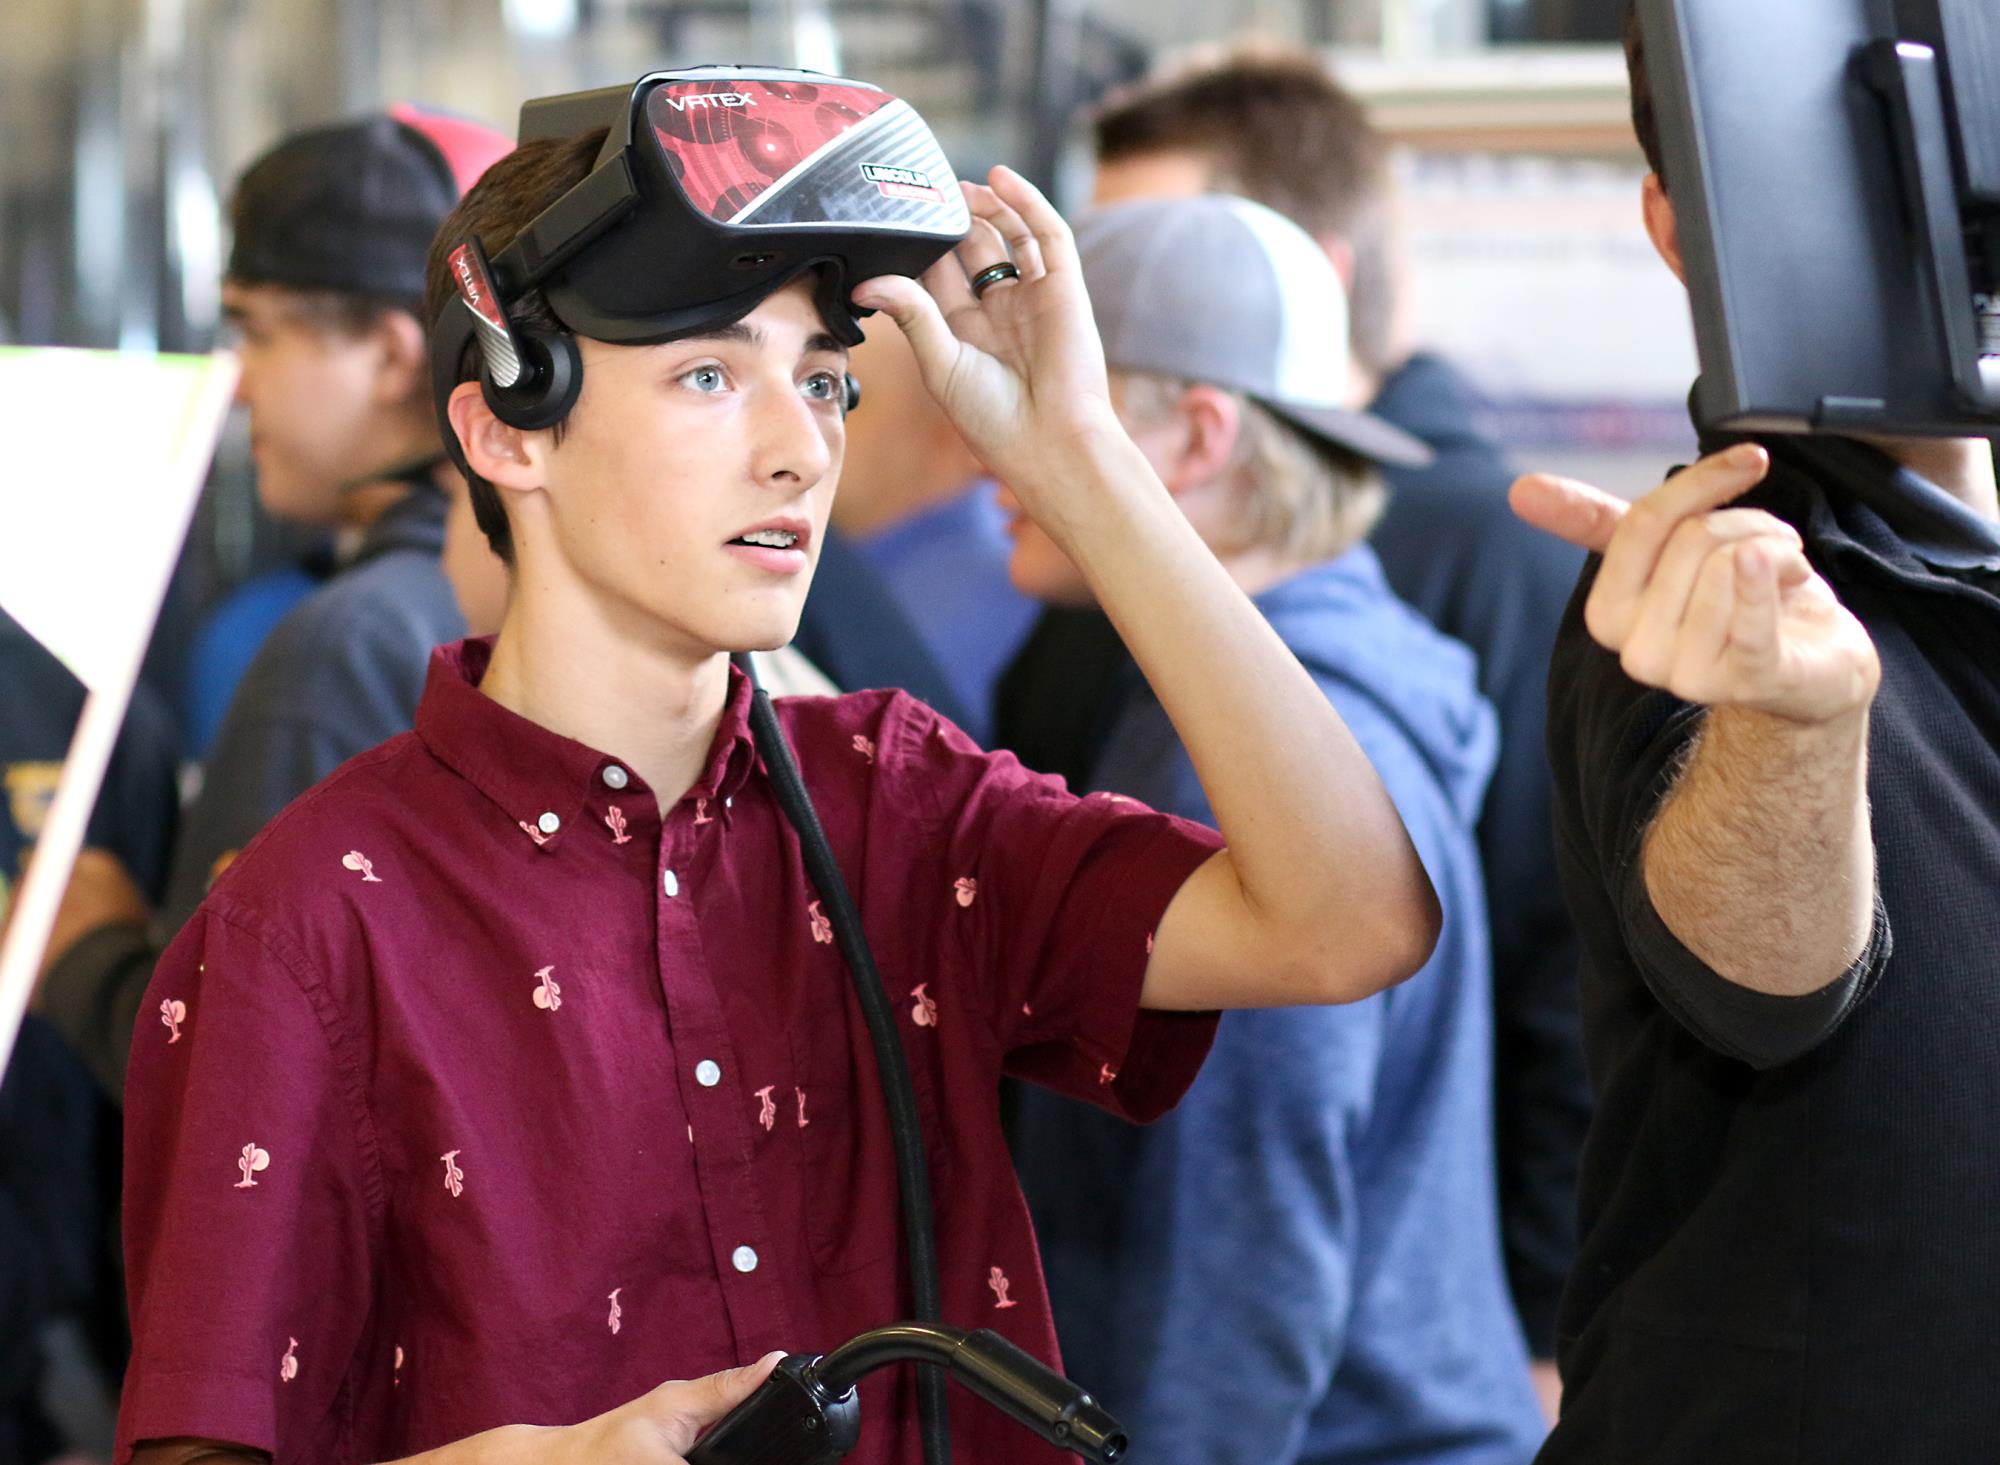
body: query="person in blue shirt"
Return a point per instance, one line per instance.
(1302, 1263)
(1272, 123)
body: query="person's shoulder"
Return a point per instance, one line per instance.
(367, 797)
(876, 716)
(400, 595)
(372, 627)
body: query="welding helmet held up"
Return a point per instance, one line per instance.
(715, 187)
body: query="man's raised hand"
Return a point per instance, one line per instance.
(1019, 368)
(1716, 605)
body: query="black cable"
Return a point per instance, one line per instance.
(913, 1182)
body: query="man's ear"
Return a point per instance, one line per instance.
(405, 370)
(498, 453)
(1209, 420)
(1662, 225)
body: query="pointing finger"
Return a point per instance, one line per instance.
(1571, 510)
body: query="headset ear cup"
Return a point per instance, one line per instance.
(852, 399)
(552, 375)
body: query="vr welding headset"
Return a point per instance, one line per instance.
(715, 187)
(1835, 169)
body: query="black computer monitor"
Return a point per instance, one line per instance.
(1835, 171)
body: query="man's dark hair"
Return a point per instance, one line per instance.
(1278, 129)
(501, 204)
(1643, 121)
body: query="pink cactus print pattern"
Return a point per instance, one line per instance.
(1149, 943)
(701, 815)
(548, 996)
(924, 1014)
(767, 1108)
(615, 821)
(967, 890)
(288, 1366)
(362, 866)
(533, 833)
(617, 1312)
(864, 747)
(803, 1121)
(396, 1380)
(1106, 1075)
(997, 1280)
(454, 1178)
(173, 1013)
(250, 1161)
(822, 928)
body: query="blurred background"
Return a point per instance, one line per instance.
(125, 120)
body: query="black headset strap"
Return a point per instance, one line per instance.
(892, 1064)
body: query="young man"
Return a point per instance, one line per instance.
(324, 293)
(1274, 125)
(1302, 1263)
(521, 1071)
(1774, 727)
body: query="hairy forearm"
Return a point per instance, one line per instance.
(1315, 841)
(1761, 860)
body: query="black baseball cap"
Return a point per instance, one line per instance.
(352, 207)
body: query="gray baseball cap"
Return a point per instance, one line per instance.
(1221, 290)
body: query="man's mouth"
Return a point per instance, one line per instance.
(767, 539)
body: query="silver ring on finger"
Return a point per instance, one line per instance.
(992, 275)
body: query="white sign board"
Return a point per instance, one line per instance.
(108, 451)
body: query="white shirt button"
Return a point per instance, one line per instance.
(670, 882)
(548, 824)
(615, 777)
(743, 1259)
(708, 1073)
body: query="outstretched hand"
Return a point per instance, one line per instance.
(1718, 606)
(1019, 369)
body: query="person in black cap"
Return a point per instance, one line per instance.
(324, 291)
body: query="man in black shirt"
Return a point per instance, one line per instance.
(1775, 728)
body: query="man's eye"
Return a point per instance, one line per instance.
(822, 386)
(706, 379)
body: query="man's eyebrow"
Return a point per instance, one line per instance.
(748, 335)
(736, 330)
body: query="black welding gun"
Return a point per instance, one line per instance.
(807, 1412)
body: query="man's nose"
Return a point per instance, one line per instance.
(792, 444)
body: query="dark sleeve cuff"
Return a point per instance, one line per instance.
(1756, 1028)
(92, 998)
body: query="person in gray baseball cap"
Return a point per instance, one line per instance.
(1302, 1262)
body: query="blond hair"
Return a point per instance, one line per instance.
(1298, 495)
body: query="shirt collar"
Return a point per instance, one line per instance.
(1918, 520)
(531, 772)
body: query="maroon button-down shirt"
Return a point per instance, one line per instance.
(476, 1093)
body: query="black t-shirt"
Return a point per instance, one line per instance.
(1790, 1250)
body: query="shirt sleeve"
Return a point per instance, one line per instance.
(253, 1190)
(1618, 749)
(1061, 896)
